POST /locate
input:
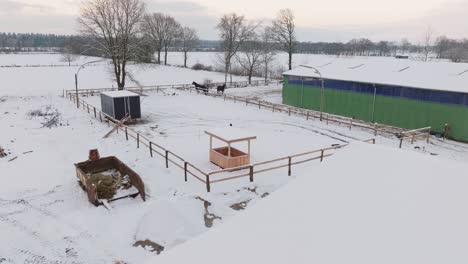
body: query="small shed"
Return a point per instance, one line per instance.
(228, 156)
(118, 104)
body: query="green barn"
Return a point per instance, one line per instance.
(404, 94)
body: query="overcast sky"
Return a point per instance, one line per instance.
(328, 20)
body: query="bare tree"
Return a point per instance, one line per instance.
(457, 54)
(189, 40)
(113, 25)
(250, 57)
(154, 28)
(283, 31)
(405, 46)
(268, 51)
(234, 30)
(426, 46)
(68, 56)
(172, 30)
(442, 45)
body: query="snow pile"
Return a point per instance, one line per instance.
(367, 204)
(169, 223)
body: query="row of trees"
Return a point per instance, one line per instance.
(19, 42)
(122, 30)
(253, 45)
(452, 49)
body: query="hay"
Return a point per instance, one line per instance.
(107, 183)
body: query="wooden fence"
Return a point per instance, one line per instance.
(312, 114)
(290, 110)
(189, 169)
(190, 87)
(415, 134)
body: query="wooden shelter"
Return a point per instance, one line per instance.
(227, 156)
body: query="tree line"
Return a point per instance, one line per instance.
(123, 31)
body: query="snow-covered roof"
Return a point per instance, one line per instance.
(445, 76)
(356, 207)
(122, 93)
(230, 134)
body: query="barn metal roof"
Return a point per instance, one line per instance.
(441, 75)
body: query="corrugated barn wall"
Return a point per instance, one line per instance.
(404, 107)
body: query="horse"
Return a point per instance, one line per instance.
(221, 88)
(200, 87)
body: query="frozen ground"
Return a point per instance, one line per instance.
(45, 216)
(175, 119)
(359, 208)
(48, 216)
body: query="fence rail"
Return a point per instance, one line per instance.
(312, 114)
(142, 89)
(190, 169)
(413, 135)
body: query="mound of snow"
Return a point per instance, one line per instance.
(169, 223)
(367, 204)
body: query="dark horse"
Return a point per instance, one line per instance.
(200, 87)
(220, 88)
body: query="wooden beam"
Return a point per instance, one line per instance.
(230, 141)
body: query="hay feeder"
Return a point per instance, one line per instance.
(95, 181)
(229, 157)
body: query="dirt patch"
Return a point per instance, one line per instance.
(208, 217)
(3, 153)
(254, 190)
(149, 245)
(240, 206)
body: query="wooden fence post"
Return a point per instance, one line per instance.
(138, 140)
(289, 111)
(350, 124)
(375, 129)
(94, 108)
(289, 166)
(321, 155)
(167, 159)
(151, 148)
(251, 173)
(259, 105)
(208, 187)
(307, 117)
(185, 171)
(126, 133)
(401, 141)
(100, 116)
(446, 131)
(87, 106)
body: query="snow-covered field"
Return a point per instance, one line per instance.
(357, 208)
(45, 216)
(40, 59)
(29, 81)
